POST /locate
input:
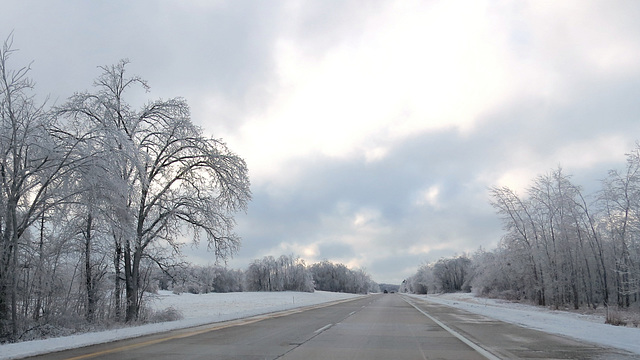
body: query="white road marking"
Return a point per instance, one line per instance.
(473, 345)
(323, 328)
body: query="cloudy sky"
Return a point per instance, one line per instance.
(372, 129)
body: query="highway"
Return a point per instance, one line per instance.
(389, 326)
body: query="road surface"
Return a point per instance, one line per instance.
(389, 326)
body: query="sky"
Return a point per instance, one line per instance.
(372, 130)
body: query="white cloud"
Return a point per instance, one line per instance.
(304, 250)
(414, 67)
(595, 36)
(429, 196)
(588, 153)
(524, 164)
(365, 217)
(375, 153)
(426, 248)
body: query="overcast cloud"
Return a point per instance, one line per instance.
(372, 130)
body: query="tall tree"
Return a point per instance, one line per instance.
(175, 178)
(522, 238)
(34, 161)
(620, 201)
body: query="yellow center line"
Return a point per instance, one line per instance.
(232, 323)
(156, 341)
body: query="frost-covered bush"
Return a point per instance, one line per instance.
(44, 331)
(168, 314)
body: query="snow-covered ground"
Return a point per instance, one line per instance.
(195, 309)
(590, 328)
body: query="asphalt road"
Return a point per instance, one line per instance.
(374, 327)
(508, 341)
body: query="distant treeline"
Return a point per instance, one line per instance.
(285, 273)
(389, 287)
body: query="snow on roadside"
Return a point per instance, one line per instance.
(195, 309)
(590, 328)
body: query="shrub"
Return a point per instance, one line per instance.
(168, 314)
(615, 318)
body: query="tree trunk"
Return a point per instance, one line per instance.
(118, 284)
(14, 290)
(89, 281)
(39, 272)
(131, 291)
(5, 270)
(132, 282)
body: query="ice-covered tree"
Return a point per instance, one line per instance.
(286, 273)
(620, 206)
(35, 159)
(328, 276)
(172, 176)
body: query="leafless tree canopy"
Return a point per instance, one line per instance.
(95, 195)
(559, 249)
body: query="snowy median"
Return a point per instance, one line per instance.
(589, 328)
(195, 310)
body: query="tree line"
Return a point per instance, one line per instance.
(561, 247)
(284, 273)
(445, 276)
(96, 195)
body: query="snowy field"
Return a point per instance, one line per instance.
(195, 309)
(590, 328)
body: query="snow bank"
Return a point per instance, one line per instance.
(590, 328)
(196, 310)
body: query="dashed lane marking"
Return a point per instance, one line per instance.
(323, 328)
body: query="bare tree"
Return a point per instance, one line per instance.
(175, 177)
(522, 237)
(34, 162)
(620, 202)
(286, 273)
(555, 232)
(557, 250)
(328, 276)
